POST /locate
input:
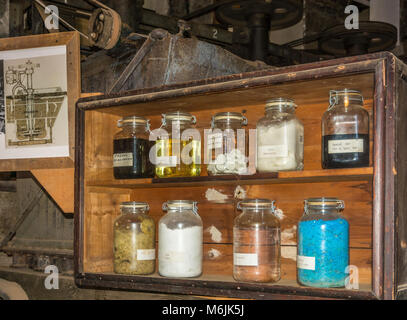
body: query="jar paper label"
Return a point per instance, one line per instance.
(145, 254)
(215, 140)
(122, 160)
(246, 259)
(345, 146)
(173, 256)
(267, 152)
(307, 263)
(167, 161)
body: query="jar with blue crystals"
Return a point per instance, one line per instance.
(323, 244)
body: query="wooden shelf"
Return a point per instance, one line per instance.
(277, 177)
(223, 284)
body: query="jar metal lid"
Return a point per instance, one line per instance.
(346, 94)
(323, 202)
(229, 117)
(178, 116)
(134, 121)
(134, 205)
(280, 103)
(180, 205)
(256, 204)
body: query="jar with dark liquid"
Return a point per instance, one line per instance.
(345, 131)
(131, 148)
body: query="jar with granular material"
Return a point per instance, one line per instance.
(256, 242)
(178, 151)
(345, 131)
(226, 144)
(131, 148)
(280, 138)
(134, 240)
(323, 244)
(180, 240)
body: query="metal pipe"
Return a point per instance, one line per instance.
(259, 25)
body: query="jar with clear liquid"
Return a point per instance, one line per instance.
(345, 131)
(134, 240)
(226, 144)
(256, 242)
(178, 151)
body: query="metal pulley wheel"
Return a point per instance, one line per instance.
(104, 28)
(282, 13)
(371, 37)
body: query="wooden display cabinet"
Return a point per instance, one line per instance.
(374, 196)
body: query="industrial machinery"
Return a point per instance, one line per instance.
(242, 27)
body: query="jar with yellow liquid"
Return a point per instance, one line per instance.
(178, 149)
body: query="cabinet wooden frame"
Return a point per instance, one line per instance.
(72, 42)
(386, 175)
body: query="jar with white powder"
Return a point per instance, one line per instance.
(180, 238)
(280, 138)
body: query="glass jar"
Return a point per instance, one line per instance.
(131, 147)
(345, 131)
(134, 240)
(280, 138)
(323, 244)
(179, 151)
(226, 144)
(256, 242)
(180, 239)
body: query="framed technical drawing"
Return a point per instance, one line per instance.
(39, 86)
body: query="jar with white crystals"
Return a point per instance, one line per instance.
(226, 144)
(280, 138)
(180, 238)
